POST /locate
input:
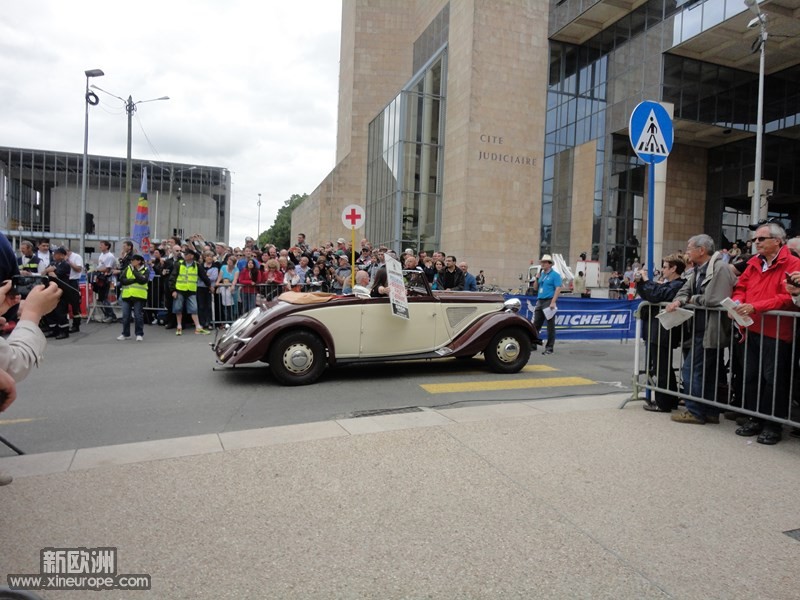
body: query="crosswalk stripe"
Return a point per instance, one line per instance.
(505, 384)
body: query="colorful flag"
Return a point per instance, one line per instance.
(141, 225)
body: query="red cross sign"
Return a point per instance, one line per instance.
(353, 216)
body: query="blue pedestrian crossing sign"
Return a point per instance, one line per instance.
(651, 132)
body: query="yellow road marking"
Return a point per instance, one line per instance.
(538, 368)
(526, 369)
(505, 384)
(14, 421)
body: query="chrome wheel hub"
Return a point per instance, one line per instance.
(298, 358)
(508, 349)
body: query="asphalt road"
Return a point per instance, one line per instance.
(92, 390)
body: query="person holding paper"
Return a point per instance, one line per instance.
(768, 351)
(660, 342)
(709, 284)
(547, 287)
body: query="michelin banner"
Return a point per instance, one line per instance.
(588, 318)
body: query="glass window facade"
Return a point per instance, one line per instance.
(41, 194)
(593, 89)
(404, 163)
(576, 113)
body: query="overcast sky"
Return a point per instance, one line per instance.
(252, 87)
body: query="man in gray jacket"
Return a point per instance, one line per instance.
(709, 284)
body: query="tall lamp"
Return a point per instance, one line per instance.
(130, 108)
(761, 21)
(89, 98)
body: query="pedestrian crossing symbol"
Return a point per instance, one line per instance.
(651, 132)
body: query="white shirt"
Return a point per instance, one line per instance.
(106, 261)
(77, 261)
(44, 260)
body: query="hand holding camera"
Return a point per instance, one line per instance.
(40, 301)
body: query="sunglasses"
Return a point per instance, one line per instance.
(763, 238)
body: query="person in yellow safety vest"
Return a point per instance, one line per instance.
(133, 281)
(183, 283)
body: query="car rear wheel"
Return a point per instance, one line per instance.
(297, 358)
(508, 351)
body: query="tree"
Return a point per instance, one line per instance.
(281, 231)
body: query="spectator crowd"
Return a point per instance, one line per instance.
(733, 359)
(211, 283)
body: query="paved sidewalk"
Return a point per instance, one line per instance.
(567, 498)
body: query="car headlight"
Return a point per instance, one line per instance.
(512, 305)
(243, 323)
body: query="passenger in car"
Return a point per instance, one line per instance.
(380, 287)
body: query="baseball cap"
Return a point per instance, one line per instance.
(60, 250)
(341, 241)
(137, 257)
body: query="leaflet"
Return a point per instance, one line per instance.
(549, 313)
(730, 306)
(673, 319)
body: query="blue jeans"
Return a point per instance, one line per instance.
(138, 316)
(702, 370)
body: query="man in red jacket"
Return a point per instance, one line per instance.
(768, 344)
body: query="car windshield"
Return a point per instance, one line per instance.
(416, 283)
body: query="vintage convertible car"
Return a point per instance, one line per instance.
(299, 334)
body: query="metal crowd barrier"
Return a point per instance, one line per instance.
(752, 374)
(227, 304)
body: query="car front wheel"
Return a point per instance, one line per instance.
(297, 358)
(508, 351)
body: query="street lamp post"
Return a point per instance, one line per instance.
(258, 232)
(130, 108)
(761, 21)
(89, 98)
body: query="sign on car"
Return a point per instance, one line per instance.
(397, 288)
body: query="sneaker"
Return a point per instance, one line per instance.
(139, 338)
(122, 338)
(201, 331)
(548, 351)
(687, 417)
(108, 320)
(179, 332)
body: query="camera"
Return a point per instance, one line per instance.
(21, 285)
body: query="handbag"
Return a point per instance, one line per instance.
(100, 282)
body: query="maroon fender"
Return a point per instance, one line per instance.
(479, 334)
(256, 349)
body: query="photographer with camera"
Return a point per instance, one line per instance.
(24, 347)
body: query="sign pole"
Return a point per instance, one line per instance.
(352, 257)
(651, 134)
(651, 216)
(353, 218)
